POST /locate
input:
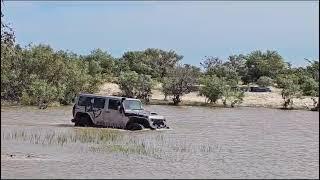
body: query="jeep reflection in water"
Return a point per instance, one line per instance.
(114, 112)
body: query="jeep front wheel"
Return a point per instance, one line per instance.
(134, 127)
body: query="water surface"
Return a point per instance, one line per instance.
(202, 143)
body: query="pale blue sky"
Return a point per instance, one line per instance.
(192, 29)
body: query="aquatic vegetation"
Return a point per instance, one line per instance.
(55, 137)
(104, 140)
(120, 148)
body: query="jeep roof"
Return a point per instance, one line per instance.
(101, 96)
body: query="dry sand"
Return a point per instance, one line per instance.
(258, 99)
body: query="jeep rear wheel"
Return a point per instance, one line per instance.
(84, 121)
(134, 127)
(77, 123)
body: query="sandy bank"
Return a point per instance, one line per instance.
(252, 99)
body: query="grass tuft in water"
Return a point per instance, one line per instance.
(61, 138)
(112, 141)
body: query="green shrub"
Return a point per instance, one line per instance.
(211, 89)
(41, 93)
(291, 89)
(310, 87)
(215, 88)
(26, 99)
(135, 85)
(264, 81)
(231, 94)
(282, 79)
(39, 75)
(179, 82)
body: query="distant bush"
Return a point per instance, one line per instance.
(212, 88)
(291, 89)
(264, 81)
(135, 85)
(310, 87)
(232, 96)
(42, 75)
(179, 82)
(40, 92)
(282, 79)
(215, 88)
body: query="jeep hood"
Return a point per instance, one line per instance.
(143, 113)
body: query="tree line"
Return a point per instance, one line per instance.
(38, 74)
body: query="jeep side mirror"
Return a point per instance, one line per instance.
(92, 101)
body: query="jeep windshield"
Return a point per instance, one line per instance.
(132, 105)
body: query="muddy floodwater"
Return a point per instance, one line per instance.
(202, 143)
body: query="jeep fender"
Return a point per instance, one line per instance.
(140, 120)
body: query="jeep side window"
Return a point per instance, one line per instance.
(99, 103)
(84, 101)
(113, 104)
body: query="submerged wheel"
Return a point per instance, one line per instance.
(77, 124)
(84, 121)
(135, 126)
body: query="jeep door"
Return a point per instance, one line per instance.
(112, 115)
(93, 106)
(98, 109)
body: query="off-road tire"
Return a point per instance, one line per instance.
(135, 127)
(77, 124)
(84, 121)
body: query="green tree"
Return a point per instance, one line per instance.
(39, 75)
(291, 89)
(154, 62)
(137, 61)
(179, 82)
(78, 80)
(127, 83)
(309, 86)
(12, 74)
(94, 68)
(135, 85)
(313, 69)
(120, 65)
(161, 61)
(215, 88)
(215, 66)
(7, 33)
(231, 95)
(268, 63)
(211, 88)
(41, 93)
(100, 62)
(144, 86)
(238, 62)
(264, 81)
